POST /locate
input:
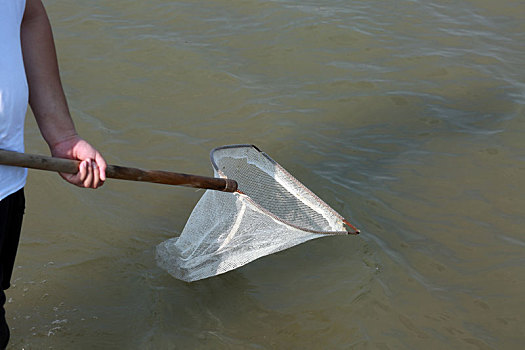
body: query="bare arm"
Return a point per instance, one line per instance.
(48, 101)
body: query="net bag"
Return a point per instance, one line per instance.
(270, 212)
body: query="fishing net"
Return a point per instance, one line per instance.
(270, 212)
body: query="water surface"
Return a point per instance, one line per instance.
(407, 117)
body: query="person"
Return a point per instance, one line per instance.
(29, 73)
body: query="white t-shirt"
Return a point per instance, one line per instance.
(13, 93)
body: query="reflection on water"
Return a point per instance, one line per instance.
(406, 117)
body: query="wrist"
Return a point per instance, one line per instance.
(63, 144)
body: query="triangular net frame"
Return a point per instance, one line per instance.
(270, 212)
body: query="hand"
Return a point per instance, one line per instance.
(92, 169)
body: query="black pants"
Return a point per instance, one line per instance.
(11, 212)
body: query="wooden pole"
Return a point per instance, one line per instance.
(70, 166)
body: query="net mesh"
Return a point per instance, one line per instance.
(272, 212)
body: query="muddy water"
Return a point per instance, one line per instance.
(407, 117)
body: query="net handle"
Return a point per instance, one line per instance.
(70, 166)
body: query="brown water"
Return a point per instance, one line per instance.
(407, 117)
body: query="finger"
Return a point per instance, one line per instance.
(80, 177)
(101, 164)
(88, 181)
(96, 175)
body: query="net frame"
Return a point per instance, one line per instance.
(350, 229)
